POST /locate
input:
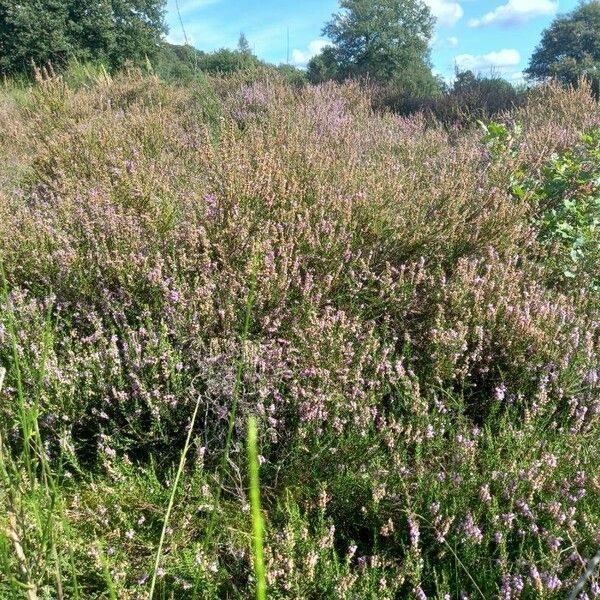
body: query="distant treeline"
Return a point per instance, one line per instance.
(383, 43)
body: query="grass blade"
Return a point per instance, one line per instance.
(172, 498)
(257, 520)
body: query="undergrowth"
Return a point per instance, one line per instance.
(391, 325)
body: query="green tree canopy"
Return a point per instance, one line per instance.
(386, 40)
(570, 47)
(113, 31)
(226, 61)
(324, 66)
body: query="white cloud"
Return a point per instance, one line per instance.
(515, 12)
(446, 12)
(176, 37)
(300, 58)
(444, 43)
(501, 59)
(518, 77)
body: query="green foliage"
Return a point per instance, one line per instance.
(483, 89)
(225, 61)
(471, 98)
(184, 62)
(570, 47)
(566, 199)
(177, 62)
(500, 139)
(325, 66)
(115, 32)
(257, 518)
(568, 195)
(384, 40)
(292, 75)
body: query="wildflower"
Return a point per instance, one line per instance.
(500, 392)
(551, 582)
(471, 531)
(554, 543)
(413, 530)
(419, 593)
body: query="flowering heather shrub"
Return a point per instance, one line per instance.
(365, 284)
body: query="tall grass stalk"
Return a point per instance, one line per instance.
(239, 374)
(12, 529)
(257, 519)
(112, 593)
(172, 498)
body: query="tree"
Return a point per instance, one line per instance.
(225, 61)
(570, 48)
(244, 45)
(178, 63)
(32, 30)
(111, 31)
(386, 40)
(324, 66)
(292, 75)
(482, 96)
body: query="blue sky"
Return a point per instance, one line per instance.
(478, 34)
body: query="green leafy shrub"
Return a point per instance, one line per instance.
(565, 198)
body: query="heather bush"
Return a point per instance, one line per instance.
(382, 293)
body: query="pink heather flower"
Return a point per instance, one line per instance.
(413, 530)
(500, 392)
(420, 594)
(554, 543)
(211, 205)
(551, 582)
(524, 509)
(470, 529)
